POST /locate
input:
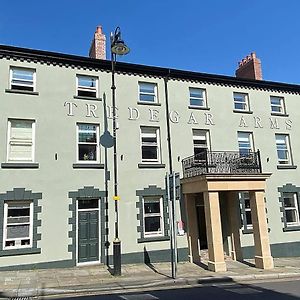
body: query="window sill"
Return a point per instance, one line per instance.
(243, 111)
(291, 228)
(149, 103)
(20, 251)
(279, 114)
(20, 165)
(88, 166)
(198, 107)
(87, 98)
(21, 92)
(286, 167)
(153, 239)
(151, 166)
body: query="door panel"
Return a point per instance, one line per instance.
(88, 236)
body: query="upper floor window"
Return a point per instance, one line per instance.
(22, 79)
(153, 216)
(245, 141)
(18, 218)
(197, 97)
(88, 143)
(87, 86)
(241, 101)
(283, 149)
(148, 92)
(200, 142)
(277, 105)
(150, 144)
(20, 145)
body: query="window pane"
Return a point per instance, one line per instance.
(291, 216)
(17, 231)
(152, 207)
(289, 202)
(147, 87)
(22, 74)
(87, 137)
(87, 152)
(85, 81)
(149, 152)
(87, 204)
(248, 218)
(152, 224)
(147, 97)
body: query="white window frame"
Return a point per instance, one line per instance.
(86, 143)
(281, 105)
(85, 88)
(160, 215)
(203, 136)
(245, 196)
(288, 160)
(200, 99)
(9, 141)
(5, 225)
(154, 94)
(156, 144)
(249, 140)
(33, 81)
(245, 103)
(293, 208)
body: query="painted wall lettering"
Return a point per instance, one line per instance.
(257, 122)
(70, 106)
(154, 115)
(109, 112)
(274, 123)
(288, 124)
(192, 119)
(134, 114)
(91, 110)
(243, 122)
(174, 116)
(208, 119)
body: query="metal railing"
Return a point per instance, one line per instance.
(221, 162)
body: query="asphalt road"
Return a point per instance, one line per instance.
(287, 290)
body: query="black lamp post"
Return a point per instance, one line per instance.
(117, 47)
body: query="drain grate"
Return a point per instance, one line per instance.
(138, 297)
(20, 298)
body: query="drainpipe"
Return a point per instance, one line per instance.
(173, 246)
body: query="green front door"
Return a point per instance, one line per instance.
(88, 236)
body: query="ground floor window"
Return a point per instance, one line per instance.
(246, 211)
(290, 206)
(18, 224)
(153, 217)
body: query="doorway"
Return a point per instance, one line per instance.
(88, 231)
(201, 222)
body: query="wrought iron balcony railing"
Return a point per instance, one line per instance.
(221, 162)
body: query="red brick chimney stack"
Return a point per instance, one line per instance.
(98, 46)
(249, 67)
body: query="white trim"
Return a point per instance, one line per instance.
(99, 235)
(244, 102)
(84, 88)
(33, 81)
(155, 92)
(5, 225)
(160, 215)
(203, 98)
(292, 208)
(97, 144)
(157, 144)
(9, 142)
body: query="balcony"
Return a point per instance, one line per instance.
(221, 162)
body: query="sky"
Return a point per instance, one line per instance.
(208, 36)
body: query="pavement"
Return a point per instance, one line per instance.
(97, 279)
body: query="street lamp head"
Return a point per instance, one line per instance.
(118, 46)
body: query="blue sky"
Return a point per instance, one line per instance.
(205, 36)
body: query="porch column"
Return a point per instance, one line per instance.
(234, 219)
(263, 258)
(216, 261)
(192, 228)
